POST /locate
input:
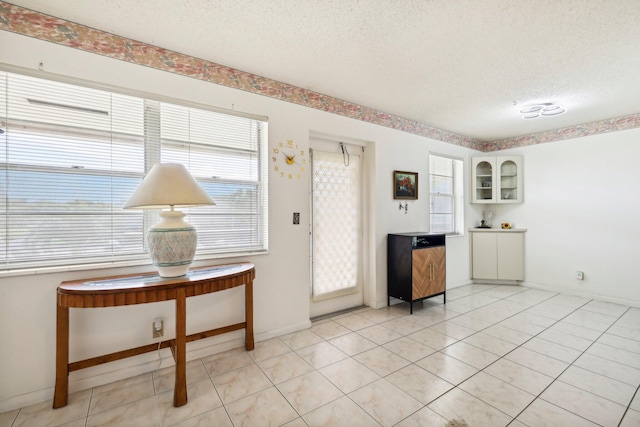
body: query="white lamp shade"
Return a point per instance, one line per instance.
(172, 242)
(168, 184)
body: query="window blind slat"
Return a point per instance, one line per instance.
(71, 156)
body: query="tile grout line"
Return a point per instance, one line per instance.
(457, 340)
(427, 327)
(402, 335)
(476, 332)
(629, 405)
(501, 357)
(534, 336)
(571, 364)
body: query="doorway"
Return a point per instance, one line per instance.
(336, 226)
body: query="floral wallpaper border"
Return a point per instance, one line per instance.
(587, 129)
(34, 24)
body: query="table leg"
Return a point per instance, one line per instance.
(180, 390)
(62, 357)
(248, 310)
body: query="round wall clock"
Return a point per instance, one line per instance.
(288, 160)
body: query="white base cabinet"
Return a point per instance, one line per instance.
(497, 254)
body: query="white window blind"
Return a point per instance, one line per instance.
(70, 157)
(445, 192)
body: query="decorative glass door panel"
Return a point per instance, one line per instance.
(336, 243)
(508, 181)
(484, 185)
(497, 179)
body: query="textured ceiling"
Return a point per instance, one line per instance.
(464, 66)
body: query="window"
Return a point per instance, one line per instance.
(70, 157)
(445, 195)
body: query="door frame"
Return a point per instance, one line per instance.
(318, 140)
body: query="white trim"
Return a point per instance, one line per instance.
(118, 264)
(446, 156)
(336, 139)
(562, 290)
(557, 290)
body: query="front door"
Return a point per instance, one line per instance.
(336, 229)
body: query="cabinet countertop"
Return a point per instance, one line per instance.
(498, 230)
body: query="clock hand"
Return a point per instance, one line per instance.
(290, 159)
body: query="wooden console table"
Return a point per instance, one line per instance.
(147, 288)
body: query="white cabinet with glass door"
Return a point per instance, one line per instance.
(497, 180)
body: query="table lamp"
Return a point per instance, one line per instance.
(172, 241)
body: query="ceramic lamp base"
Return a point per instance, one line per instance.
(172, 244)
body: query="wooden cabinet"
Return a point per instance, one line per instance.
(416, 266)
(497, 180)
(427, 272)
(497, 254)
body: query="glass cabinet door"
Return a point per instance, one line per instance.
(484, 185)
(510, 177)
(508, 181)
(496, 179)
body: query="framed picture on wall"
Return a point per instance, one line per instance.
(405, 185)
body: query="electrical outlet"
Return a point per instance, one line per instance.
(157, 327)
(580, 275)
(296, 218)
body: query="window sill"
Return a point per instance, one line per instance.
(448, 235)
(117, 264)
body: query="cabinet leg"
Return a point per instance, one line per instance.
(444, 297)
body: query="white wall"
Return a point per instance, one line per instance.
(582, 211)
(27, 303)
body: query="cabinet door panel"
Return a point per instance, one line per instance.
(420, 272)
(485, 256)
(439, 279)
(497, 179)
(510, 179)
(428, 272)
(510, 256)
(483, 180)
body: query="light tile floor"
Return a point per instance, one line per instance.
(493, 356)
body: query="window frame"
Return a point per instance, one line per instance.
(11, 268)
(457, 195)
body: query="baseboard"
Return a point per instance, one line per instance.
(589, 295)
(496, 282)
(533, 285)
(115, 371)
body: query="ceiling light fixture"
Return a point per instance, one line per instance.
(546, 109)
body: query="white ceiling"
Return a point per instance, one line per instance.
(465, 66)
